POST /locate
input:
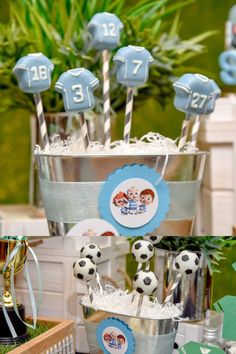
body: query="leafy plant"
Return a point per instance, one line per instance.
(211, 247)
(58, 29)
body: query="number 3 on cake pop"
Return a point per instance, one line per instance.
(138, 64)
(198, 100)
(39, 72)
(78, 90)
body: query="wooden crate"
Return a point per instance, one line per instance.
(59, 339)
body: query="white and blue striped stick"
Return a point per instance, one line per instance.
(195, 130)
(106, 98)
(128, 114)
(172, 289)
(41, 121)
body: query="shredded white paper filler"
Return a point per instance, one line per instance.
(150, 143)
(120, 302)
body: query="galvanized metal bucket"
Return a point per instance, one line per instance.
(151, 336)
(70, 186)
(193, 291)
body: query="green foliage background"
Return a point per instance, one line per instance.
(200, 16)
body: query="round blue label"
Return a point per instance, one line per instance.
(115, 337)
(135, 199)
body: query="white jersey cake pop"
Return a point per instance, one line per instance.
(92, 251)
(84, 269)
(186, 262)
(145, 282)
(142, 251)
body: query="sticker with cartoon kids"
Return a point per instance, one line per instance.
(113, 340)
(133, 201)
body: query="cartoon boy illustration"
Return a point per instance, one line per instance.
(133, 197)
(121, 200)
(120, 340)
(146, 198)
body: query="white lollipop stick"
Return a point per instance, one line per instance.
(195, 130)
(90, 291)
(140, 304)
(169, 297)
(106, 98)
(184, 133)
(98, 280)
(41, 121)
(84, 130)
(128, 114)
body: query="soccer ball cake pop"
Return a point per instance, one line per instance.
(153, 239)
(84, 269)
(142, 251)
(145, 282)
(92, 251)
(186, 262)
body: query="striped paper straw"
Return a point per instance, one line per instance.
(106, 98)
(184, 133)
(195, 130)
(84, 130)
(128, 114)
(172, 289)
(41, 121)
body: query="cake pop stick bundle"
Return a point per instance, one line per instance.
(116, 321)
(136, 186)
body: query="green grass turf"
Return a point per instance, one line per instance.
(41, 328)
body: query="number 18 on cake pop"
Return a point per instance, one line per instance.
(33, 73)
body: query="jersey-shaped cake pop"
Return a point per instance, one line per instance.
(105, 30)
(133, 64)
(195, 94)
(33, 73)
(76, 87)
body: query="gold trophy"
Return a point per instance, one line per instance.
(17, 247)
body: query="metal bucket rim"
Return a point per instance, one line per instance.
(175, 318)
(44, 154)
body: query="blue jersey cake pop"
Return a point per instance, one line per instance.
(133, 64)
(33, 73)
(76, 87)
(105, 30)
(195, 94)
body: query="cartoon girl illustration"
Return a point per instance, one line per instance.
(133, 197)
(146, 198)
(121, 200)
(107, 337)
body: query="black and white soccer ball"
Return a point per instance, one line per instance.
(84, 269)
(142, 251)
(145, 282)
(186, 262)
(92, 251)
(153, 239)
